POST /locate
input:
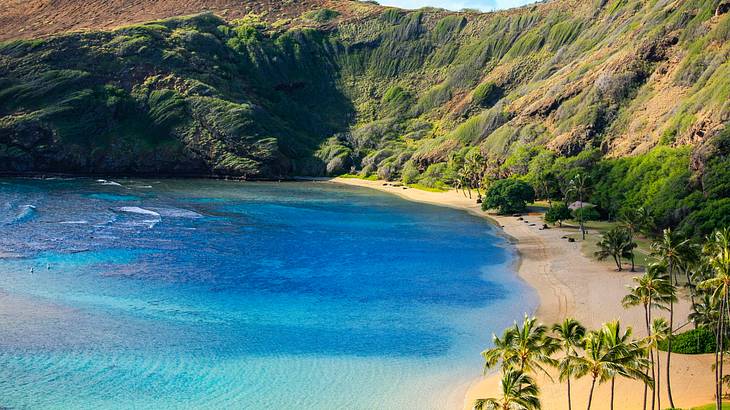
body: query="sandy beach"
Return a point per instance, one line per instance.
(569, 284)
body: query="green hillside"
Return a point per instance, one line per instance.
(634, 93)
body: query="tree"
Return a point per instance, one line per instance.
(673, 251)
(558, 212)
(609, 352)
(569, 336)
(616, 243)
(586, 213)
(660, 331)
(519, 392)
(705, 312)
(635, 221)
(578, 186)
(526, 349)
(651, 291)
(717, 253)
(471, 174)
(508, 196)
(597, 362)
(626, 352)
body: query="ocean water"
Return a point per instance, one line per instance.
(238, 295)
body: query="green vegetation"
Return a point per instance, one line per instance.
(725, 406)
(695, 341)
(567, 351)
(557, 213)
(322, 15)
(616, 243)
(541, 94)
(601, 355)
(508, 196)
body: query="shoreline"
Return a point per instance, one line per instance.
(569, 284)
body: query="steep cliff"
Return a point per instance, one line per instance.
(271, 89)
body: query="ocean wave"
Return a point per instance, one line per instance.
(105, 182)
(81, 222)
(138, 210)
(177, 213)
(26, 212)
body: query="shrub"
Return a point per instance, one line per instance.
(486, 94)
(322, 15)
(557, 213)
(434, 175)
(695, 341)
(508, 196)
(409, 174)
(588, 213)
(712, 214)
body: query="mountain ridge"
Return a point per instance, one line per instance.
(329, 87)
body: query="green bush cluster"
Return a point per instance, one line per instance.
(322, 15)
(508, 196)
(695, 341)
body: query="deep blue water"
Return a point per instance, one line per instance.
(215, 294)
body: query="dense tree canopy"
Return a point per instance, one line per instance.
(508, 196)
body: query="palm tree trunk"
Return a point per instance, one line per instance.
(582, 228)
(723, 315)
(613, 389)
(718, 349)
(618, 262)
(669, 352)
(648, 331)
(570, 406)
(658, 380)
(590, 395)
(651, 353)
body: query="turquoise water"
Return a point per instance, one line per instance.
(214, 294)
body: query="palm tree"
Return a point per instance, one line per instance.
(717, 252)
(470, 175)
(626, 352)
(519, 392)
(672, 250)
(651, 291)
(660, 331)
(598, 362)
(570, 334)
(705, 312)
(578, 186)
(462, 182)
(635, 221)
(526, 349)
(616, 243)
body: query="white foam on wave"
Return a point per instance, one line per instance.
(149, 223)
(81, 222)
(26, 212)
(105, 182)
(177, 213)
(138, 210)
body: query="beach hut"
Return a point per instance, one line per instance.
(578, 204)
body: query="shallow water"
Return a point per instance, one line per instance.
(214, 294)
